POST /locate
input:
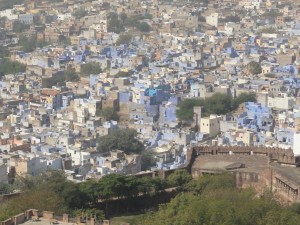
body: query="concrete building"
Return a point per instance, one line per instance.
(29, 166)
(26, 19)
(213, 19)
(210, 125)
(282, 101)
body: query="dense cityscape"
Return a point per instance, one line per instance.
(117, 112)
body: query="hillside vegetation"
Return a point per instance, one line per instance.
(215, 200)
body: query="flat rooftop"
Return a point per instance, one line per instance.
(252, 163)
(290, 173)
(45, 222)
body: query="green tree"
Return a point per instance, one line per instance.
(70, 193)
(147, 160)
(47, 191)
(272, 14)
(134, 20)
(185, 109)
(27, 44)
(114, 24)
(145, 185)
(231, 18)
(179, 178)
(40, 199)
(2, 21)
(123, 17)
(19, 27)
(26, 183)
(11, 67)
(201, 1)
(144, 27)
(211, 183)
(124, 39)
(71, 75)
(157, 185)
(268, 30)
(108, 65)
(79, 13)
(122, 139)
(296, 208)
(254, 68)
(270, 75)
(67, 191)
(105, 5)
(3, 52)
(216, 200)
(122, 74)
(280, 217)
(8, 4)
(90, 68)
(201, 19)
(109, 114)
(41, 44)
(5, 188)
(95, 213)
(217, 104)
(243, 97)
(132, 184)
(91, 190)
(112, 185)
(63, 40)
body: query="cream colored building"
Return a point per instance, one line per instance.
(245, 136)
(210, 125)
(212, 19)
(27, 166)
(296, 144)
(282, 101)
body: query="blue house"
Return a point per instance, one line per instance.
(79, 57)
(284, 136)
(287, 69)
(256, 118)
(93, 80)
(125, 96)
(167, 113)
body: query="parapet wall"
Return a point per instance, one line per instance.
(35, 215)
(4, 198)
(18, 219)
(286, 189)
(7, 222)
(278, 154)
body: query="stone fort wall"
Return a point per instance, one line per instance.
(278, 154)
(268, 178)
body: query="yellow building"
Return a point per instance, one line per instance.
(269, 3)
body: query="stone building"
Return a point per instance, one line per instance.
(259, 168)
